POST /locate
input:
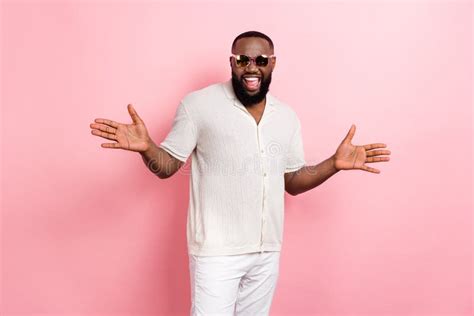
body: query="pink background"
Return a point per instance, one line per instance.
(90, 231)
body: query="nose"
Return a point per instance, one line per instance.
(252, 65)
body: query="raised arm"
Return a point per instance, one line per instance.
(160, 162)
(134, 137)
(309, 177)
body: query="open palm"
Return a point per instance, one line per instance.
(132, 137)
(349, 156)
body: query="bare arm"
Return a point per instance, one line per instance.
(134, 137)
(309, 177)
(347, 157)
(160, 162)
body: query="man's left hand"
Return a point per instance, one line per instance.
(349, 156)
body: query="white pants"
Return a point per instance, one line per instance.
(233, 285)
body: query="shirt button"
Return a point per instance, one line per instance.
(265, 174)
(261, 151)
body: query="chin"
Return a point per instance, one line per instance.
(253, 92)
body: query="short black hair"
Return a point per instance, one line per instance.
(253, 34)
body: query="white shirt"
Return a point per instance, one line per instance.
(236, 198)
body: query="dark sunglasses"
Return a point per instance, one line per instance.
(244, 60)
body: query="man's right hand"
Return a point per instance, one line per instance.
(133, 137)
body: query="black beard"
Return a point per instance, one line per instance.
(242, 94)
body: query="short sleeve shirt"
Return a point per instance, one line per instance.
(236, 198)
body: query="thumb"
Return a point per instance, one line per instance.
(131, 110)
(350, 134)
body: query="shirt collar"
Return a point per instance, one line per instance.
(229, 91)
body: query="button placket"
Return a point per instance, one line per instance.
(261, 157)
(264, 186)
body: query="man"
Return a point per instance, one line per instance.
(246, 149)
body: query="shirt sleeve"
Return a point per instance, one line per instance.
(182, 138)
(295, 156)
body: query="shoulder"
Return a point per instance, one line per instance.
(204, 95)
(200, 104)
(285, 109)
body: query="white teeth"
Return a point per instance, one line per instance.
(251, 78)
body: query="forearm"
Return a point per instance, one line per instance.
(310, 177)
(159, 162)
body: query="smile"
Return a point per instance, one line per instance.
(252, 83)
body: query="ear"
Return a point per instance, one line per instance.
(274, 60)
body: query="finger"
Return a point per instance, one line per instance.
(377, 159)
(134, 114)
(377, 152)
(104, 128)
(350, 134)
(375, 145)
(104, 135)
(111, 145)
(370, 169)
(106, 122)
